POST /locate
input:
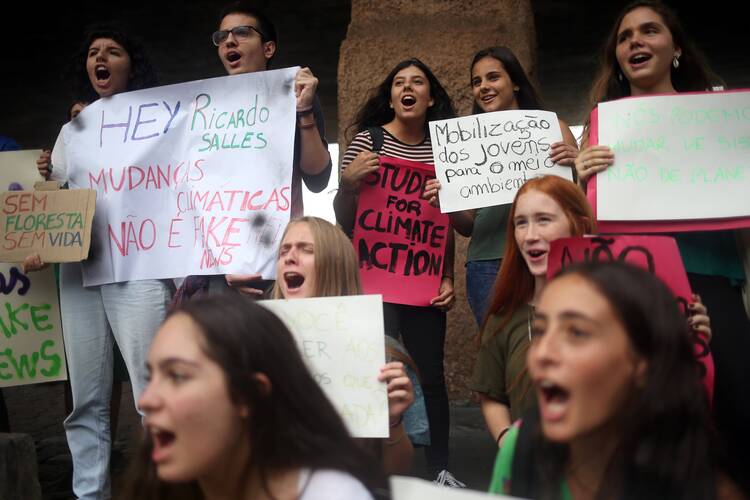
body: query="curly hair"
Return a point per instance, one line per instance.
(377, 111)
(142, 73)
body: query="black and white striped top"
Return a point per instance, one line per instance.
(392, 147)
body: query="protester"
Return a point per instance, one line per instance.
(232, 411)
(110, 62)
(246, 42)
(545, 209)
(498, 83)
(622, 411)
(316, 259)
(647, 52)
(397, 112)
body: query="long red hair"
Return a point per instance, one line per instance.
(514, 285)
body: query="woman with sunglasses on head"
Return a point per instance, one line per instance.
(647, 52)
(316, 259)
(622, 411)
(232, 412)
(498, 83)
(393, 122)
(109, 62)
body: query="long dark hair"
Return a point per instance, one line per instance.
(694, 73)
(377, 111)
(527, 97)
(665, 441)
(142, 73)
(294, 426)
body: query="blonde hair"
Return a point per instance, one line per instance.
(336, 269)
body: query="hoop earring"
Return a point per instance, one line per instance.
(676, 61)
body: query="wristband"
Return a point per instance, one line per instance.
(502, 433)
(305, 111)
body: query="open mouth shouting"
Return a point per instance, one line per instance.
(408, 101)
(163, 440)
(233, 58)
(293, 282)
(553, 400)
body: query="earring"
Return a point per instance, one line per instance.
(676, 61)
(516, 89)
(619, 75)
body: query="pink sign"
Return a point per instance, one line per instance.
(399, 237)
(657, 254)
(652, 226)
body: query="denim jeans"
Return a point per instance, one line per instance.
(92, 318)
(480, 278)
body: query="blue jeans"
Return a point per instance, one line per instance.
(480, 279)
(92, 318)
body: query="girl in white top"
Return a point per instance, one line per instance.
(232, 412)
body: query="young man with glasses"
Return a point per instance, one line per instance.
(246, 42)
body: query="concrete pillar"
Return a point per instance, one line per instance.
(444, 34)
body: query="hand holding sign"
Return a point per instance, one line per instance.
(364, 164)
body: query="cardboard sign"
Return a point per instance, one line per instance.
(671, 151)
(31, 342)
(411, 488)
(191, 178)
(657, 254)
(399, 237)
(54, 224)
(342, 340)
(482, 160)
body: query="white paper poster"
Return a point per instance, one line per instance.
(482, 160)
(191, 178)
(677, 157)
(342, 339)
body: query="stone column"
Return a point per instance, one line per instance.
(444, 34)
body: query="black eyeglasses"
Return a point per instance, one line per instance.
(240, 33)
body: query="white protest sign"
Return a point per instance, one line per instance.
(677, 157)
(342, 341)
(31, 341)
(411, 488)
(482, 160)
(191, 178)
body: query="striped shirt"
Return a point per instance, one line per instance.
(392, 147)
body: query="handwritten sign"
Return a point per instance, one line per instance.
(677, 157)
(657, 254)
(482, 160)
(31, 343)
(54, 224)
(411, 488)
(342, 340)
(399, 237)
(190, 179)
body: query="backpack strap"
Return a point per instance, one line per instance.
(376, 134)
